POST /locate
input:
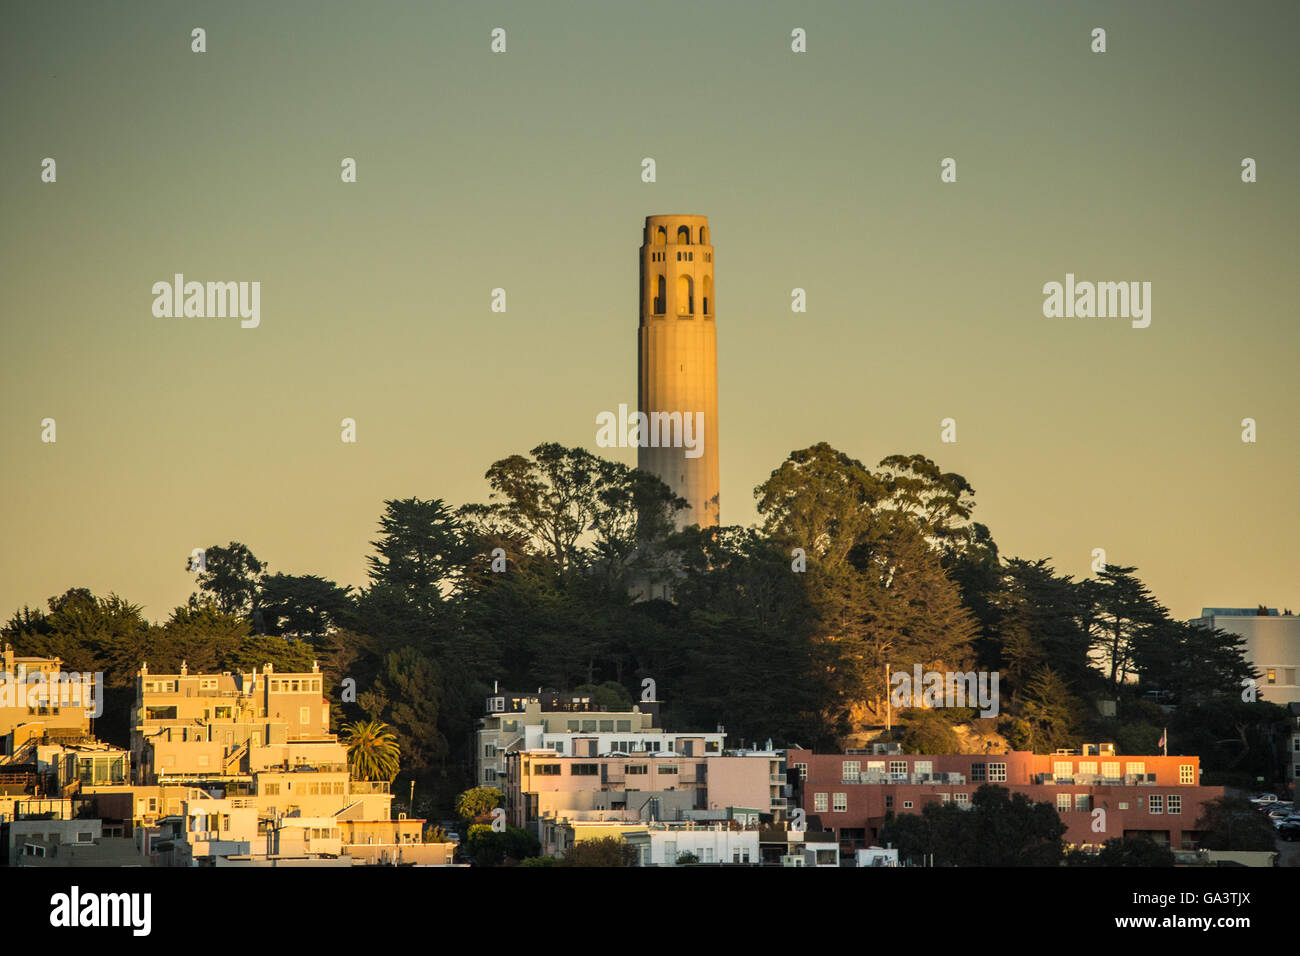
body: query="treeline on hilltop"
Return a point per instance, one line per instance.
(779, 631)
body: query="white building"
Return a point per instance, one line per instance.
(1272, 646)
(664, 845)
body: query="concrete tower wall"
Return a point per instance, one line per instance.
(678, 356)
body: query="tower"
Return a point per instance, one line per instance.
(677, 363)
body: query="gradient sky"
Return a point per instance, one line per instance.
(522, 171)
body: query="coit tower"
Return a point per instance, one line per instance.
(677, 362)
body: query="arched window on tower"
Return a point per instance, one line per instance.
(661, 236)
(660, 295)
(704, 235)
(685, 296)
(684, 235)
(708, 295)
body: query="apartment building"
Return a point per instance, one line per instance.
(634, 787)
(1153, 796)
(1271, 644)
(514, 721)
(207, 726)
(36, 706)
(664, 844)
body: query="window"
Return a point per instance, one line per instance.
(666, 768)
(683, 235)
(685, 295)
(1088, 768)
(850, 771)
(607, 726)
(547, 769)
(1186, 774)
(623, 726)
(898, 766)
(889, 801)
(924, 768)
(203, 760)
(1123, 805)
(820, 803)
(945, 798)
(584, 769)
(803, 767)
(1272, 675)
(907, 804)
(1062, 768)
(1110, 769)
(1062, 802)
(638, 768)
(489, 750)
(997, 773)
(304, 715)
(839, 802)
(1136, 768)
(1083, 802)
(271, 789)
(1157, 803)
(978, 773)
(961, 799)
(1175, 803)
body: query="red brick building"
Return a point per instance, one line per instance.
(1153, 796)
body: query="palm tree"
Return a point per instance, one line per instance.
(372, 750)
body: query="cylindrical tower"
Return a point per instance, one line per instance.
(678, 363)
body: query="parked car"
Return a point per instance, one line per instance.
(1264, 798)
(1289, 830)
(1279, 822)
(1280, 810)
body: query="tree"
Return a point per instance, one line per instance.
(407, 695)
(484, 846)
(231, 577)
(603, 851)
(940, 503)
(822, 501)
(1233, 823)
(1124, 851)
(302, 605)
(928, 733)
(1122, 612)
(998, 829)
(372, 750)
(1046, 714)
(477, 801)
(420, 554)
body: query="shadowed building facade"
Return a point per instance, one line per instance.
(677, 370)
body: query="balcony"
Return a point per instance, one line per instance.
(370, 786)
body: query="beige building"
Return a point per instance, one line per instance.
(542, 784)
(515, 721)
(36, 708)
(678, 363)
(209, 726)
